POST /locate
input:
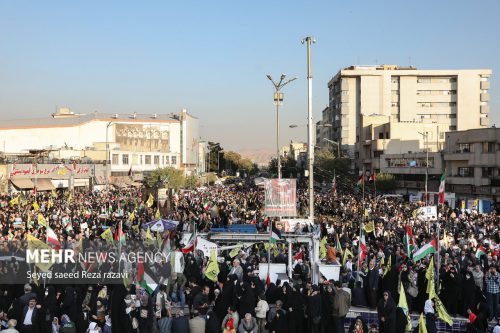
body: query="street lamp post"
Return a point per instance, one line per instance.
(108, 159)
(310, 40)
(278, 100)
(425, 138)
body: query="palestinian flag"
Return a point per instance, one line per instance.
(373, 177)
(275, 235)
(408, 241)
(480, 251)
(428, 248)
(441, 188)
(361, 180)
(52, 238)
(119, 235)
(146, 279)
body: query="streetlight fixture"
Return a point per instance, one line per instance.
(278, 100)
(336, 143)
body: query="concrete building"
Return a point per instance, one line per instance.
(135, 143)
(472, 162)
(377, 110)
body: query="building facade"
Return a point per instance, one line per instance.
(133, 144)
(377, 110)
(472, 162)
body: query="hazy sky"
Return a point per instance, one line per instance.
(212, 57)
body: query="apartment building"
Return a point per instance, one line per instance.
(387, 109)
(472, 162)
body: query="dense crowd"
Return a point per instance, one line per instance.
(239, 300)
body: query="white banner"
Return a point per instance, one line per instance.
(205, 246)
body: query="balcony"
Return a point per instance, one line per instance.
(457, 180)
(379, 144)
(458, 156)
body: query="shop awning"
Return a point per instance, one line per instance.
(44, 184)
(22, 183)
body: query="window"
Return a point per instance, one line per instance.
(174, 160)
(394, 104)
(395, 92)
(125, 159)
(487, 172)
(140, 159)
(424, 80)
(453, 128)
(147, 159)
(378, 153)
(381, 135)
(167, 160)
(423, 92)
(387, 135)
(465, 172)
(464, 148)
(395, 79)
(453, 116)
(115, 159)
(157, 160)
(488, 147)
(163, 160)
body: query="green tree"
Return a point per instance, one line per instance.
(171, 177)
(191, 182)
(288, 167)
(232, 162)
(325, 163)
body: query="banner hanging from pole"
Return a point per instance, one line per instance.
(280, 197)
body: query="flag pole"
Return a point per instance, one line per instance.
(269, 251)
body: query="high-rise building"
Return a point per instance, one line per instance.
(387, 109)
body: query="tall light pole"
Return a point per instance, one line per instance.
(310, 40)
(278, 100)
(425, 136)
(108, 159)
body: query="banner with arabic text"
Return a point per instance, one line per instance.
(280, 197)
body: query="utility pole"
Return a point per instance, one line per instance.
(310, 150)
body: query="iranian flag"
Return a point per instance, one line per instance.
(189, 246)
(334, 185)
(299, 256)
(428, 248)
(361, 250)
(146, 279)
(410, 244)
(441, 188)
(52, 238)
(480, 251)
(206, 205)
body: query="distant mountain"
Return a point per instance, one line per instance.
(258, 156)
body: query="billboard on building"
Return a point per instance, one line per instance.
(143, 137)
(190, 139)
(280, 197)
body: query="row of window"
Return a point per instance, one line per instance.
(486, 147)
(436, 79)
(486, 172)
(165, 160)
(436, 92)
(436, 104)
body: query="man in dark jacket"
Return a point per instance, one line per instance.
(372, 286)
(30, 322)
(341, 304)
(358, 295)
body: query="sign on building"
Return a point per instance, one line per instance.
(280, 197)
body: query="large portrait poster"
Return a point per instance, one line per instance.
(280, 198)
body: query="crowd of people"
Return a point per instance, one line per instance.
(238, 300)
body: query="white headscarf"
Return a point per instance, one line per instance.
(428, 308)
(93, 328)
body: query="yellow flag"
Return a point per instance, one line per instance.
(388, 266)
(234, 252)
(41, 220)
(29, 219)
(135, 228)
(421, 324)
(70, 197)
(54, 193)
(107, 235)
(212, 270)
(149, 237)
(131, 216)
(404, 306)
(15, 201)
(157, 215)
(366, 212)
(36, 244)
(322, 248)
(431, 290)
(159, 240)
(370, 227)
(35, 206)
(276, 251)
(150, 201)
(50, 204)
(347, 253)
